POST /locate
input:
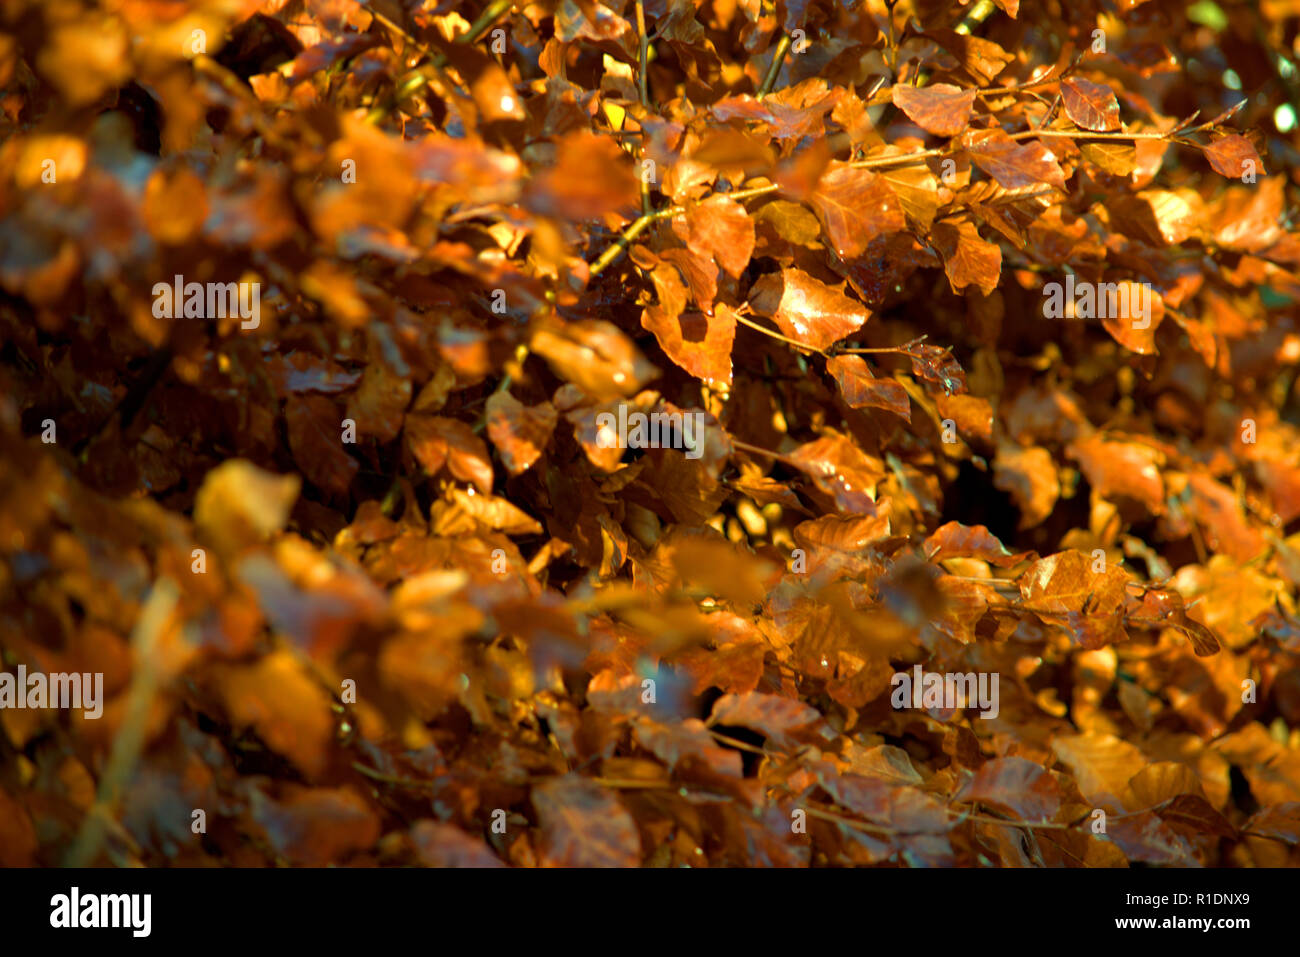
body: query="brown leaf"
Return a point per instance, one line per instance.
(776, 718)
(497, 513)
(671, 743)
(720, 227)
(841, 470)
(445, 845)
(972, 414)
(701, 277)
(583, 825)
(861, 389)
(284, 705)
(698, 343)
(18, 843)
(936, 364)
(380, 402)
(1131, 313)
(967, 259)
(1013, 164)
(1118, 159)
(955, 540)
(845, 533)
(982, 59)
(1118, 468)
(435, 441)
(916, 187)
(239, 505)
(1016, 785)
(1234, 156)
(591, 177)
(595, 356)
(939, 108)
(1030, 477)
(316, 827)
(519, 432)
(855, 206)
(1220, 513)
(1280, 822)
(806, 309)
(1091, 105)
(1102, 765)
(316, 432)
(1065, 590)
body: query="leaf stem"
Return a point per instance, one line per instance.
(776, 335)
(746, 447)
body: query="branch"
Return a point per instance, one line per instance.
(758, 450)
(129, 742)
(484, 23)
(776, 335)
(643, 53)
(774, 68)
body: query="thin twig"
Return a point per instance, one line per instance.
(852, 822)
(776, 335)
(740, 745)
(643, 53)
(1089, 135)
(484, 23)
(624, 240)
(130, 739)
(389, 779)
(746, 447)
(774, 68)
(899, 159)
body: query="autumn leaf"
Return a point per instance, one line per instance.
(855, 206)
(1016, 785)
(315, 827)
(1070, 589)
(916, 187)
(316, 435)
(939, 108)
(584, 826)
(1030, 477)
(1120, 468)
(699, 343)
(968, 259)
(595, 356)
(1013, 164)
(861, 389)
(720, 227)
(841, 470)
(1091, 105)
(519, 432)
(444, 845)
(806, 309)
(284, 705)
(772, 716)
(954, 540)
(239, 504)
(1234, 156)
(1102, 765)
(980, 57)
(591, 176)
(435, 442)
